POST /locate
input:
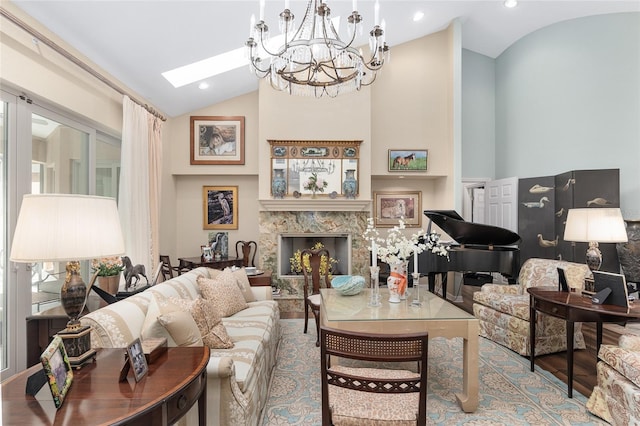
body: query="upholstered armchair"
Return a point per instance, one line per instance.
(616, 397)
(503, 310)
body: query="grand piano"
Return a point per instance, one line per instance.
(478, 248)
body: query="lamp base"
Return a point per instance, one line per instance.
(594, 256)
(77, 344)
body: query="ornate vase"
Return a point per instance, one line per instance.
(350, 185)
(629, 252)
(397, 281)
(279, 184)
(109, 283)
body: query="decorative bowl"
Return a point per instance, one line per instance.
(348, 285)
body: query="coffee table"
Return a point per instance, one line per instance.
(438, 316)
(175, 381)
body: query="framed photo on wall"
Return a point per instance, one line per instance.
(220, 207)
(405, 160)
(393, 205)
(217, 140)
(55, 363)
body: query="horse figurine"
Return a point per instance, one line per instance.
(131, 272)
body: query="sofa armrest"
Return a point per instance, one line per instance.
(262, 292)
(500, 288)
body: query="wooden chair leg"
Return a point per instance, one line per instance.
(306, 316)
(316, 315)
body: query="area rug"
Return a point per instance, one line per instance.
(509, 393)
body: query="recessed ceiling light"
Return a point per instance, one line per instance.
(510, 3)
(204, 85)
(418, 16)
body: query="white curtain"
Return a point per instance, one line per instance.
(140, 176)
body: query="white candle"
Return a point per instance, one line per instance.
(286, 4)
(355, 5)
(252, 24)
(262, 10)
(376, 14)
(415, 259)
(374, 254)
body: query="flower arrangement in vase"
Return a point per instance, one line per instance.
(397, 248)
(315, 184)
(108, 270)
(298, 262)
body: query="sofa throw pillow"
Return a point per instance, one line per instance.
(213, 332)
(241, 279)
(151, 328)
(182, 327)
(223, 292)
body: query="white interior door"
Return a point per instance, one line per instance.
(501, 203)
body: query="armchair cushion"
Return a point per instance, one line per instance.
(625, 360)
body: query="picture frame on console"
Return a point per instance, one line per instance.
(408, 160)
(390, 206)
(220, 207)
(137, 360)
(57, 368)
(217, 140)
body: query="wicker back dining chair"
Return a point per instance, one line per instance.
(378, 393)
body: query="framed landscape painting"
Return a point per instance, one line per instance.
(217, 140)
(220, 207)
(391, 206)
(414, 160)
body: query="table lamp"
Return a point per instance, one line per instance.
(593, 226)
(69, 228)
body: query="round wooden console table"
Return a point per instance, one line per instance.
(175, 381)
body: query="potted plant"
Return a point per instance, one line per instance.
(108, 270)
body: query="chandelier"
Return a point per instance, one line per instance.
(312, 60)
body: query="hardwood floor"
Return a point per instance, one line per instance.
(584, 361)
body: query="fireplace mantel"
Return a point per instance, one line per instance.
(318, 204)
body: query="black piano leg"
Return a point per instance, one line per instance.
(432, 281)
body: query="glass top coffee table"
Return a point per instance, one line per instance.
(438, 316)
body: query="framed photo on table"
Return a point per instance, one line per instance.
(391, 206)
(407, 160)
(137, 361)
(217, 140)
(57, 369)
(220, 207)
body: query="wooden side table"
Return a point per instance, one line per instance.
(572, 308)
(175, 381)
(262, 280)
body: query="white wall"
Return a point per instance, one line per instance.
(568, 98)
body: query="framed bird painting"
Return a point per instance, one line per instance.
(220, 207)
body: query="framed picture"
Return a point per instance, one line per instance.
(403, 160)
(394, 205)
(217, 140)
(220, 207)
(207, 253)
(137, 361)
(58, 370)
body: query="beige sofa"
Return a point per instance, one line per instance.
(616, 397)
(237, 378)
(503, 310)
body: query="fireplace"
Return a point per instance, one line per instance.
(283, 232)
(338, 244)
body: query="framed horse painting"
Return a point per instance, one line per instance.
(408, 160)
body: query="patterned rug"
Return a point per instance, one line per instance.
(509, 393)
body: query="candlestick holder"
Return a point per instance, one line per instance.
(416, 287)
(374, 299)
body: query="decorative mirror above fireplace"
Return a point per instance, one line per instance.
(314, 168)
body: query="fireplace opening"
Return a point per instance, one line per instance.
(338, 244)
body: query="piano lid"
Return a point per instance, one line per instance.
(464, 232)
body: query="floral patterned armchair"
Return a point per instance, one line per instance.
(503, 310)
(616, 397)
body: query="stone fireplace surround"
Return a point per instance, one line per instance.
(274, 223)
